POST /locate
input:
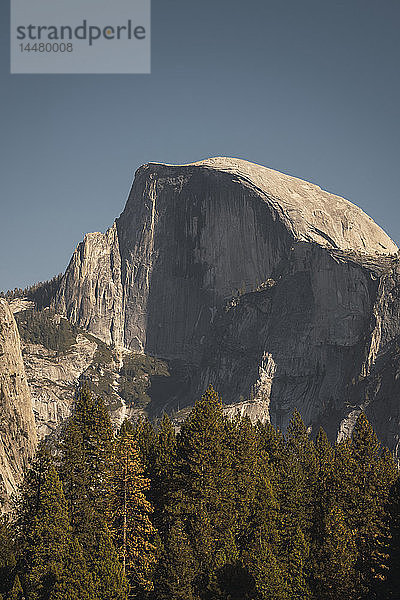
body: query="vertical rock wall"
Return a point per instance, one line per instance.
(17, 427)
(266, 286)
(91, 291)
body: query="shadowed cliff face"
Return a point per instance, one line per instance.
(201, 238)
(297, 343)
(18, 433)
(377, 390)
(262, 284)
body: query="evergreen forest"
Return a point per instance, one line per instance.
(220, 510)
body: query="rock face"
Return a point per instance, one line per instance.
(18, 433)
(91, 288)
(58, 357)
(53, 380)
(280, 294)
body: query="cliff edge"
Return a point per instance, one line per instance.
(17, 426)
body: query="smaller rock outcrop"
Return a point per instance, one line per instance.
(18, 437)
(91, 292)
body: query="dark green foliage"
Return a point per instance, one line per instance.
(271, 443)
(109, 579)
(174, 576)
(43, 327)
(85, 448)
(73, 471)
(393, 581)
(129, 511)
(335, 558)
(16, 593)
(7, 557)
(205, 496)
(75, 580)
(100, 376)
(42, 293)
(300, 473)
(244, 456)
(296, 564)
(362, 478)
(241, 512)
(297, 477)
(260, 550)
(103, 355)
(161, 469)
(135, 377)
(259, 516)
(47, 551)
(101, 381)
(86, 451)
(145, 436)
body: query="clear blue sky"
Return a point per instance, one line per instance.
(309, 88)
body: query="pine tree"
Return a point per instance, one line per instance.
(74, 471)
(272, 443)
(256, 512)
(393, 576)
(298, 556)
(110, 582)
(322, 492)
(270, 578)
(44, 526)
(322, 505)
(86, 454)
(362, 477)
(85, 448)
(146, 439)
(205, 498)
(375, 471)
(16, 593)
(45, 535)
(74, 581)
(301, 457)
(176, 569)
(334, 563)
(325, 457)
(297, 481)
(244, 454)
(130, 511)
(262, 549)
(162, 474)
(7, 557)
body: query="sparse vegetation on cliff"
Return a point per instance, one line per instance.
(45, 328)
(135, 377)
(42, 293)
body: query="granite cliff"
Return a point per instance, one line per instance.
(280, 294)
(59, 357)
(17, 426)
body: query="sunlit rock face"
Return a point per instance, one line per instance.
(262, 284)
(91, 291)
(17, 426)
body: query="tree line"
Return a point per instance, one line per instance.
(42, 293)
(222, 510)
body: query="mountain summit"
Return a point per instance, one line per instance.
(278, 293)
